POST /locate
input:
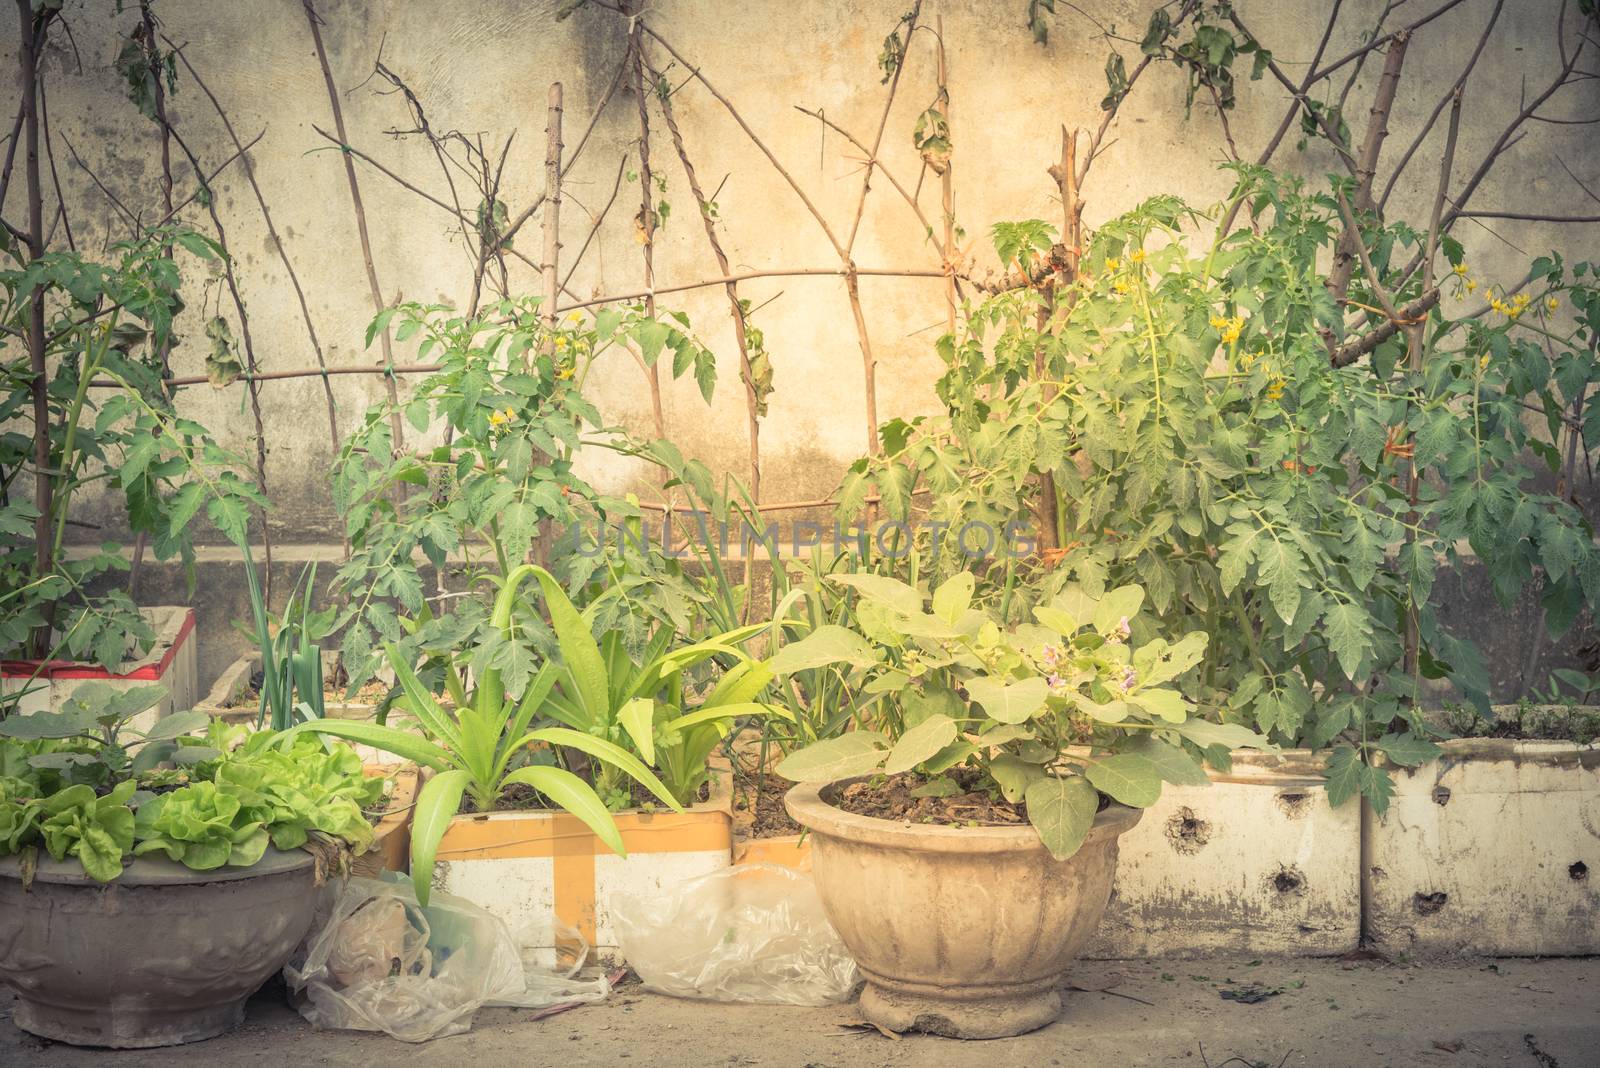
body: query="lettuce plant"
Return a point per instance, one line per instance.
(1055, 713)
(80, 784)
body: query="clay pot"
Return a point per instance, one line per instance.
(959, 931)
(160, 956)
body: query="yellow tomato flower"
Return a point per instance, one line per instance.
(1137, 255)
(1218, 322)
(1552, 304)
(1472, 283)
(1460, 269)
(1275, 388)
(496, 419)
(564, 374)
(1112, 264)
(1483, 362)
(1121, 286)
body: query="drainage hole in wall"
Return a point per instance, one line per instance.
(1287, 881)
(1428, 904)
(1441, 795)
(1295, 803)
(1578, 871)
(1187, 832)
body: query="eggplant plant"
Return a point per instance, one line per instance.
(1054, 714)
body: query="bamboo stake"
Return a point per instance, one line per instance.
(646, 220)
(552, 199)
(43, 489)
(396, 428)
(947, 182)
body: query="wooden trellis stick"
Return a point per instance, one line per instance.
(947, 183)
(752, 398)
(272, 235)
(552, 200)
(646, 222)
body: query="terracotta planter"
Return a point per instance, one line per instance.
(391, 838)
(545, 873)
(173, 662)
(963, 932)
(162, 955)
(1493, 848)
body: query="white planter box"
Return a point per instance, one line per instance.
(546, 874)
(1258, 862)
(172, 662)
(1493, 848)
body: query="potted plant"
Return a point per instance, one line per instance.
(964, 847)
(532, 786)
(186, 865)
(86, 399)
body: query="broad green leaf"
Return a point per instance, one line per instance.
(920, 743)
(579, 653)
(1172, 762)
(1062, 809)
(1014, 775)
(574, 796)
(401, 743)
(855, 753)
(609, 752)
(1127, 777)
(828, 644)
(888, 592)
(1117, 605)
(1169, 705)
(1014, 702)
(437, 804)
(1204, 733)
(953, 596)
(638, 719)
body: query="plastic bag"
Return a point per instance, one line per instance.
(380, 962)
(755, 932)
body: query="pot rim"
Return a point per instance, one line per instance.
(156, 871)
(809, 808)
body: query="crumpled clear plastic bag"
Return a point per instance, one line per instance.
(755, 932)
(381, 962)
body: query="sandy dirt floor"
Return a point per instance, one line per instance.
(1538, 1014)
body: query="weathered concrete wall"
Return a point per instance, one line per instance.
(483, 67)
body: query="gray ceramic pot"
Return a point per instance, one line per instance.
(160, 956)
(959, 931)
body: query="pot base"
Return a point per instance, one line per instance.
(126, 1027)
(995, 1016)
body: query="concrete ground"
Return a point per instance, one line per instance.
(1538, 1014)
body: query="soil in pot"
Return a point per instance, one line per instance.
(758, 807)
(895, 798)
